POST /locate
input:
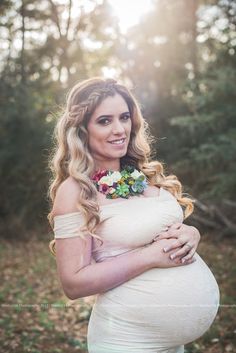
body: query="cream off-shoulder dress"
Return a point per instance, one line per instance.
(159, 310)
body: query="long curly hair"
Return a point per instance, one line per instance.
(71, 155)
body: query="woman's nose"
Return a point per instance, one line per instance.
(117, 127)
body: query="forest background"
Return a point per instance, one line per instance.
(180, 59)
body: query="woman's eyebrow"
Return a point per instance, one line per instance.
(110, 116)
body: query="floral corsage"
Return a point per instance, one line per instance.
(128, 182)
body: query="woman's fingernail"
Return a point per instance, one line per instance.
(172, 256)
(183, 260)
(165, 249)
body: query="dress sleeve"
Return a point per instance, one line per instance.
(68, 225)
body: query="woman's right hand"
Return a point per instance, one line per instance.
(158, 258)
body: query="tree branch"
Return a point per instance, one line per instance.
(55, 15)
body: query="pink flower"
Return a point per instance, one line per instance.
(104, 188)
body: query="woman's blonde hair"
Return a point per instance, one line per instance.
(71, 155)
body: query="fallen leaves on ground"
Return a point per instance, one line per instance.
(36, 316)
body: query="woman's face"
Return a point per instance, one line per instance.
(109, 130)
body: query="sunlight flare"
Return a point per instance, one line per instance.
(130, 12)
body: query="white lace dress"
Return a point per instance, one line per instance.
(159, 310)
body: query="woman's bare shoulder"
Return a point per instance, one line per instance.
(66, 197)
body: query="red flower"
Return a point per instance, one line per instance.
(98, 175)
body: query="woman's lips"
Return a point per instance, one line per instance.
(118, 143)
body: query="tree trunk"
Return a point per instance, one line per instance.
(22, 54)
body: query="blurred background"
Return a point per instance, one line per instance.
(179, 57)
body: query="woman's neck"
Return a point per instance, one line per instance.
(107, 166)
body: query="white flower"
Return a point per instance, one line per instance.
(106, 179)
(110, 179)
(136, 174)
(111, 190)
(116, 176)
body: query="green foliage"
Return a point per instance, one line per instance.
(32, 81)
(192, 99)
(180, 58)
(24, 143)
(206, 150)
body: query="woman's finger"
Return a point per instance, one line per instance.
(181, 252)
(178, 261)
(170, 233)
(190, 261)
(188, 256)
(176, 225)
(164, 235)
(176, 244)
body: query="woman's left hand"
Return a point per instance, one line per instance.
(187, 239)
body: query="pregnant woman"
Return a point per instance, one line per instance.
(117, 220)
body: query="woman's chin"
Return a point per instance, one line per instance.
(118, 154)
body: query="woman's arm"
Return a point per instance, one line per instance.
(78, 275)
(81, 278)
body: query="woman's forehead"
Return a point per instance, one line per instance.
(112, 105)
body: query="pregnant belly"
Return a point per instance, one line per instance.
(176, 304)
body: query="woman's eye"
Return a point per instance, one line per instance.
(103, 121)
(126, 117)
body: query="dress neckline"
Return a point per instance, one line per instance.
(126, 201)
(133, 198)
